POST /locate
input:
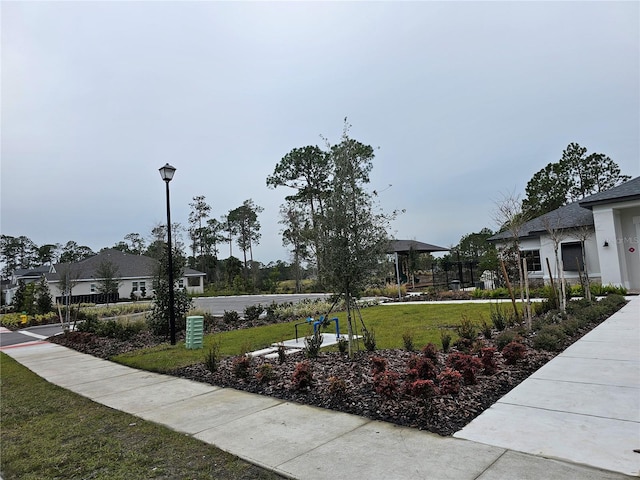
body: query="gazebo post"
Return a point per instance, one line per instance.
(398, 278)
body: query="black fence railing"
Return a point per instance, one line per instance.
(89, 298)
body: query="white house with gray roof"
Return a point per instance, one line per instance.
(605, 225)
(616, 217)
(135, 272)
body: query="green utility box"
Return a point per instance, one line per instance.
(195, 332)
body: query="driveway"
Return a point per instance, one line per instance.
(218, 305)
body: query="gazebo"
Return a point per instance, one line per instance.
(403, 247)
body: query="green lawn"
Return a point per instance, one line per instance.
(51, 433)
(424, 322)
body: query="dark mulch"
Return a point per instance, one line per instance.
(443, 414)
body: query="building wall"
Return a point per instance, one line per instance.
(83, 287)
(617, 232)
(544, 244)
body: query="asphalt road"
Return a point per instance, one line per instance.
(218, 305)
(30, 334)
(214, 305)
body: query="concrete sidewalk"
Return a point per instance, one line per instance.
(536, 431)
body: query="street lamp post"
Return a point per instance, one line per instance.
(166, 173)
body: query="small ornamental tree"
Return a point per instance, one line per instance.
(353, 236)
(44, 302)
(108, 278)
(158, 318)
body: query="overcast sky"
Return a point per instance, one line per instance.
(463, 101)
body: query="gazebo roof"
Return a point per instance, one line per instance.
(405, 246)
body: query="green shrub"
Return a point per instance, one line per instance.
(592, 314)
(253, 312)
(230, 316)
(343, 345)
(499, 317)
(212, 358)
(445, 339)
(312, 344)
(505, 338)
(600, 290)
(540, 308)
(466, 329)
(570, 326)
(463, 344)
(550, 338)
(265, 373)
(407, 340)
(486, 329)
(552, 317)
(614, 301)
(369, 339)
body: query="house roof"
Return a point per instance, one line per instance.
(629, 190)
(128, 265)
(31, 272)
(565, 217)
(405, 246)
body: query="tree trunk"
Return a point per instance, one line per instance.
(513, 297)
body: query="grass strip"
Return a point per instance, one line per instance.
(424, 322)
(51, 433)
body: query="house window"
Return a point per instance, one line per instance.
(93, 288)
(181, 283)
(134, 287)
(143, 285)
(533, 260)
(572, 256)
(193, 281)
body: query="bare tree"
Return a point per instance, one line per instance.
(582, 234)
(557, 235)
(509, 216)
(68, 280)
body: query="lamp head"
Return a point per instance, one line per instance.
(167, 172)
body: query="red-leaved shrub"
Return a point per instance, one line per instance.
(378, 365)
(467, 365)
(386, 383)
(512, 352)
(302, 376)
(449, 381)
(421, 368)
(430, 351)
(337, 387)
(422, 389)
(241, 366)
(488, 358)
